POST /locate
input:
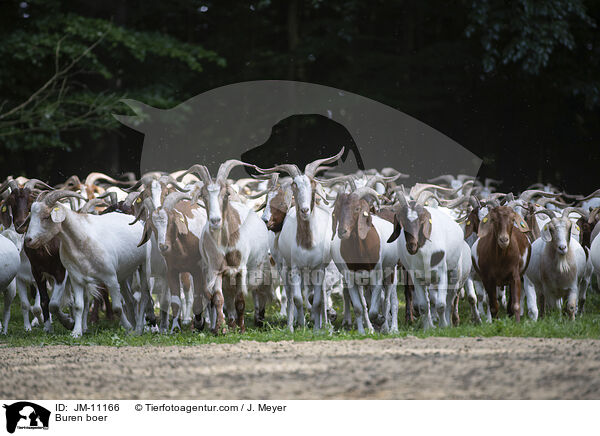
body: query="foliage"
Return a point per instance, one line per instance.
(531, 33)
(69, 60)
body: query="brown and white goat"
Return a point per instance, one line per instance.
(234, 248)
(176, 228)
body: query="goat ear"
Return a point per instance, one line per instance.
(484, 227)
(5, 216)
(520, 223)
(397, 229)
(58, 214)
(181, 225)
(145, 234)
(427, 226)
(364, 223)
(546, 235)
(469, 225)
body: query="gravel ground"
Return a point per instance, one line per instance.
(406, 368)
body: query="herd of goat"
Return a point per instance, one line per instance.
(201, 244)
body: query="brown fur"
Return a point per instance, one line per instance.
(279, 209)
(502, 266)
(233, 258)
(360, 242)
(304, 237)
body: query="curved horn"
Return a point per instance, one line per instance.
(311, 169)
(579, 210)
(52, 197)
(593, 214)
(166, 179)
(445, 178)
(227, 166)
(9, 183)
(451, 204)
(544, 201)
(200, 171)
(91, 205)
(173, 198)
(594, 194)
(426, 195)
(388, 171)
(530, 193)
(33, 183)
(92, 178)
(147, 207)
(112, 196)
(416, 190)
(290, 169)
(550, 214)
(144, 180)
(365, 191)
(487, 182)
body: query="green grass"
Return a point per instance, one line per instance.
(111, 334)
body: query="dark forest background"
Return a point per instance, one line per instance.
(516, 82)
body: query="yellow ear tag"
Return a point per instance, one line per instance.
(3, 208)
(365, 213)
(577, 227)
(181, 219)
(485, 219)
(426, 203)
(429, 220)
(523, 224)
(138, 200)
(468, 222)
(56, 209)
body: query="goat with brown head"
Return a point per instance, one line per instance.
(501, 255)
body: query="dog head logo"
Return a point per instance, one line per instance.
(272, 122)
(26, 415)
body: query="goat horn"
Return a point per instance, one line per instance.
(111, 195)
(290, 169)
(52, 197)
(166, 179)
(173, 198)
(450, 204)
(33, 183)
(92, 178)
(91, 204)
(593, 214)
(445, 178)
(594, 194)
(311, 169)
(566, 211)
(550, 214)
(144, 180)
(200, 171)
(544, 201)
(388, 171)
(9, 183)
(227, 166)
(426, 195)
(366, 191)
(530, 193)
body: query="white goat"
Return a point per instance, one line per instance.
(431, 248)
(9, 265)
(95, 249)
(558, 265)
(304, 243)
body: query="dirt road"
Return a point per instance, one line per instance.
(407, 368)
